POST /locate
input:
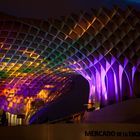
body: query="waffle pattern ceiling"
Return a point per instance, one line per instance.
(37, 57)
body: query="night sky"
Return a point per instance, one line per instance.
(54, 8)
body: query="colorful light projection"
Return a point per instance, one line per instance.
(102, 45)
(22, 96)
(109, 55)
(26, 85)
(109, 83)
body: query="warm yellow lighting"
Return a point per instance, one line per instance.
(10, 104)
(43, 94)
(49, 86)
(28, 105)
(19, 121)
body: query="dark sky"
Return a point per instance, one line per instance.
(51, 8)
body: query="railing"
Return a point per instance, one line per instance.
(74, 118)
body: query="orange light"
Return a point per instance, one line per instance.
(43, 94)
(49, 86)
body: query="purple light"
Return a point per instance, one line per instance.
(116, 87)
(104, 92)
(120, 79)
(107, 82)
(133, 73)
(98, 85)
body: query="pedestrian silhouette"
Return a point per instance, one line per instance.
(3, 118)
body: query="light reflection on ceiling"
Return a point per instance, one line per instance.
(37, 57)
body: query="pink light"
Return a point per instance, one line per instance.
(98, 85)
(133, 73)
(104, 92)
(116, 87)
(120, 79)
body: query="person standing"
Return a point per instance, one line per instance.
(3, 118)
